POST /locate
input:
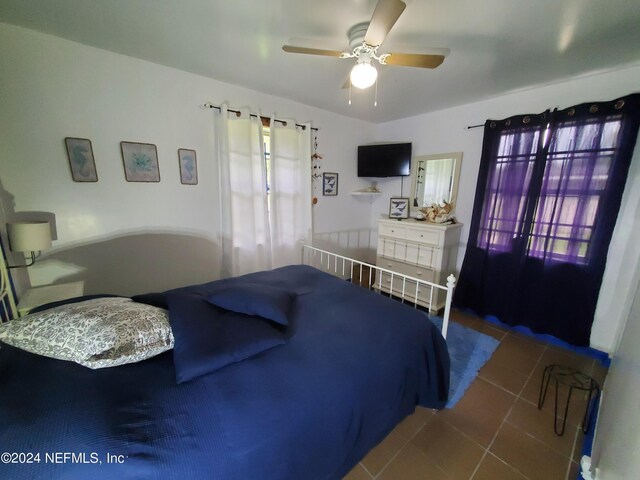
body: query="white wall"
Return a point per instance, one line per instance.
(445, 131)
(131, 237)
(617, 439)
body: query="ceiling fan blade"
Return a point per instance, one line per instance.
(384, 18)
(311, 51)
(414, 60)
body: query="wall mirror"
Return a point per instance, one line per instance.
(434, 178)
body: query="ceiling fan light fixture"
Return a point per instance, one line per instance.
(364, 41)
(363, 74)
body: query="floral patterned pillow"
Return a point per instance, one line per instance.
(98, 333)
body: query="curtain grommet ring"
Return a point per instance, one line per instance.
(507, 123)
(526, 119)
(619, 104)
(593, 109)
(571, 112)
(492, 125)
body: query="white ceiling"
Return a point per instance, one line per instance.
(496, 45)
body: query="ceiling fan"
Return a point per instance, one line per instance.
(365, 39)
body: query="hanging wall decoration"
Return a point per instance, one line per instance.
(81, 161)
(329, 184)
(315, 168)
(188, 166)
(140, 162)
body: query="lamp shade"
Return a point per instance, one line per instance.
(29, 236)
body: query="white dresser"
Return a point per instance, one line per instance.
(422, 250)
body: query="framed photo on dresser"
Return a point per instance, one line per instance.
(399, 207)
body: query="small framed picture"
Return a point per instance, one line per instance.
(140, 162)
(188, 166)
(81, 161)
(399, 207)
(329, 184)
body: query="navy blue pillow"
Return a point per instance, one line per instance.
(208, 338)
(266, 301)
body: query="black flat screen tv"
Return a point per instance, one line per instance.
(384, 160)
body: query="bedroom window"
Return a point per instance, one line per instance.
(549, 190)
(265, 196)
(576, 163)
(576, 176)
(507, 189)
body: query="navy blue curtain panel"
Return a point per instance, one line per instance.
(547, 199)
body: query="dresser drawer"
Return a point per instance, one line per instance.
(411, 253)
(383, 262)
(423, 236)
(426, 256)
(386, 247)
(393, 231)
(426, 274)
(398, 286)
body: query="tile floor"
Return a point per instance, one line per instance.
(496, 431)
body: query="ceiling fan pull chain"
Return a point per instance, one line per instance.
(375, 101)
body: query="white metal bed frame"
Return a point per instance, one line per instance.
(8, 310)
(330, 262)
(343, 267)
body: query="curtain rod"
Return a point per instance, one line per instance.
(469, 127)
(237, 112)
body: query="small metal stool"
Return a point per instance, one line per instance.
(571, 378)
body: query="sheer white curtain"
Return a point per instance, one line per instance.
(246, 238)
(290, 191)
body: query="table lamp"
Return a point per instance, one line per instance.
(29, 236)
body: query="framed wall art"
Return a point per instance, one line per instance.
(188, 166)
(81, 160)
(399, 207)
(329, 184)
(140, 162)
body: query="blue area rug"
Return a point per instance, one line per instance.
(469, 351)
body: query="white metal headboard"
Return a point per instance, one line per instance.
(408, 289)
(8, 310)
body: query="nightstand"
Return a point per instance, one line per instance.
(34, 297)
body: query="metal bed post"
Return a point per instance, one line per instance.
(451, 282)
(6, 293)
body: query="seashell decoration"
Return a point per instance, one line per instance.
(439, 213)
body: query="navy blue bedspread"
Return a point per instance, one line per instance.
(355, 365)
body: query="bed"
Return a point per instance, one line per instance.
(350, 365)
